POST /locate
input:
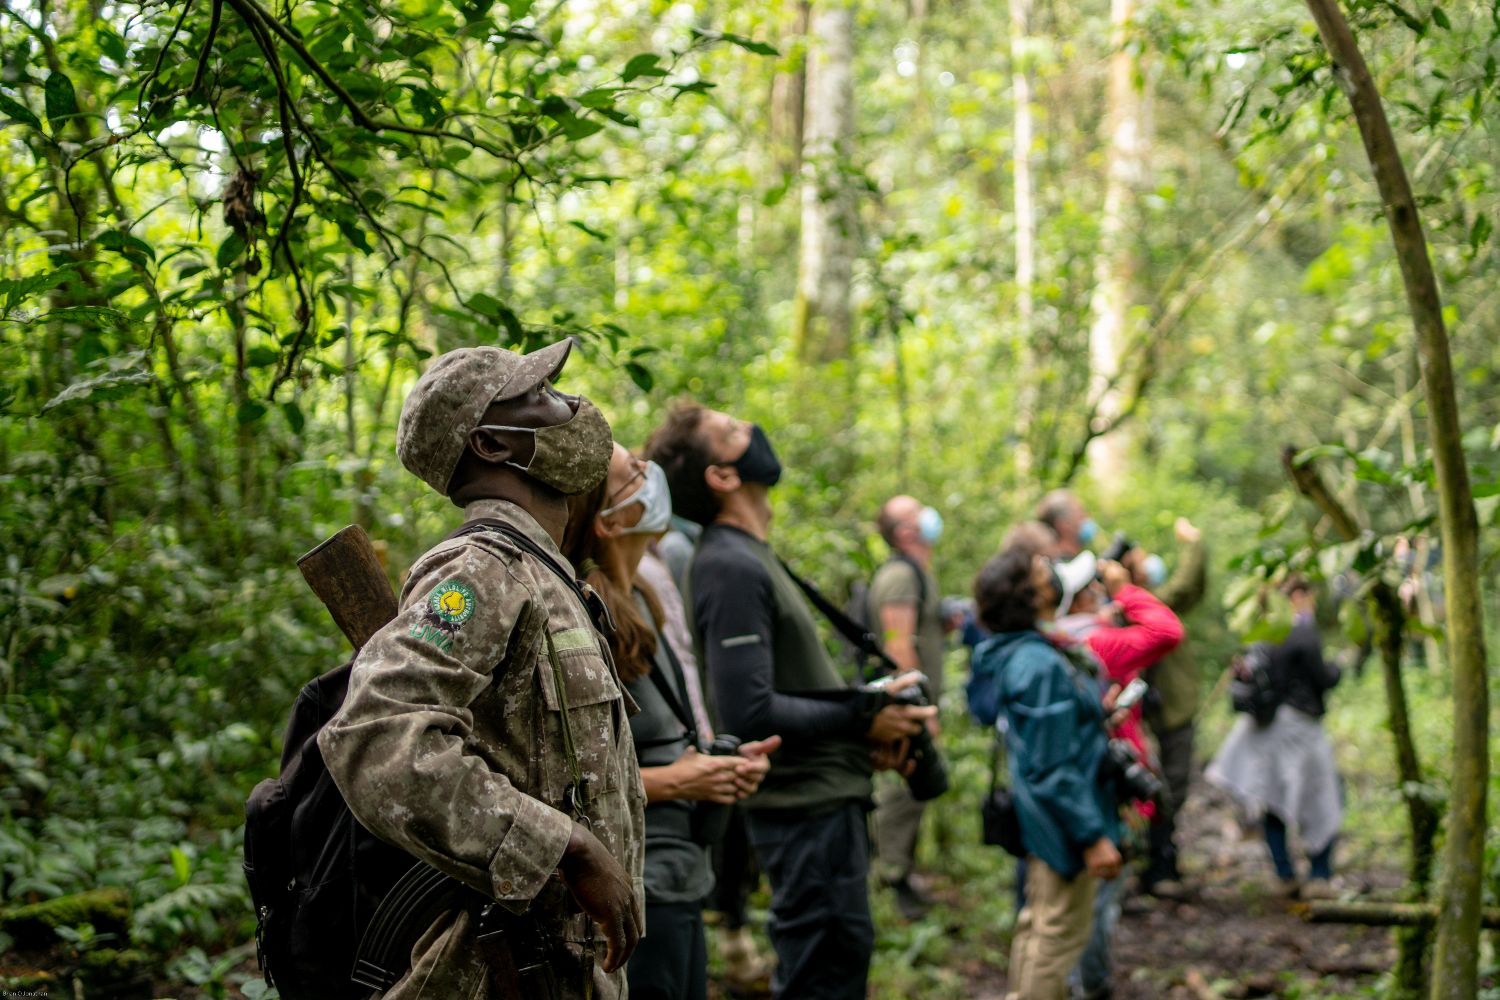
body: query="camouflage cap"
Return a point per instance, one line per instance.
(450, 398)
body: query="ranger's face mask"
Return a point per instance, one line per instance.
(571, 457)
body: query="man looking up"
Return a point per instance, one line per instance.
(764, 661)
(1069, 520)
(484, 730)
(1178, 693)
(905, 611)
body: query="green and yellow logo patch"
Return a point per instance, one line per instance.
(452, 602)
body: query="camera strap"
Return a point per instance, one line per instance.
(674, 703)
(858, 635)
(997, 756)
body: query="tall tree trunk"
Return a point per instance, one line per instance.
(1025, 214)
(1114, 270)
(822, 322)
(1422, 814)
(1456, 960)
(789, 99)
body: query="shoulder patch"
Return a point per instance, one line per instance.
(574, 638)
(452, 603)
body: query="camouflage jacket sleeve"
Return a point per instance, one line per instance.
(1187, 585)
(403, 749)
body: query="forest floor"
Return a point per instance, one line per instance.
(1232, 937)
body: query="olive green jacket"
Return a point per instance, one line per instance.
(449, 746)
(1175, 676)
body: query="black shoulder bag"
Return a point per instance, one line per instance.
(1001, 823)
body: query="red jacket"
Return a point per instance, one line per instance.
(1150, 632)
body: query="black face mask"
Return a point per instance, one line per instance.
(759, 463)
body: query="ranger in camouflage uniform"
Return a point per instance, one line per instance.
(452, 743)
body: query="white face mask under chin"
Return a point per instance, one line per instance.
(656, 502)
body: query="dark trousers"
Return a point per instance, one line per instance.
(1320, 864)
(1176, 748)
(671, 962)
(820, 920)
(736, 873)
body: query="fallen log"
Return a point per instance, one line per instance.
(1383, 914)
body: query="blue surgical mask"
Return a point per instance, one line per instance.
(656, 502)
(930, 525)
(1087, 531)
(1156, 571)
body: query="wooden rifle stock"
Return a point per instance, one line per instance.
(347, 576)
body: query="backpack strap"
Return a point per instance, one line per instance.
(577, 793)
(858, 635)
(598, 611)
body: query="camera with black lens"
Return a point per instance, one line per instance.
(929, 777)
(1118, 548)
(711, 819)
(1132, 778)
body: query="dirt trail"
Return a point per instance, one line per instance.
(1235, 938)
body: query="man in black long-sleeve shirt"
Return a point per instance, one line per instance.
(764, 661)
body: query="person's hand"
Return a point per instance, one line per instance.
(705, 778)
(1102, 859)
(897, 722)
(604, 892)
(893, 756)
(1114, 575)
(1187, 533)
(753, 763)
(1110, 697)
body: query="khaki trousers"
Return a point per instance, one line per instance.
(1051, 931)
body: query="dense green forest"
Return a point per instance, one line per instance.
(970, 251)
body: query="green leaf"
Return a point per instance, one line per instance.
(262, 357)
(230, 250)
(181, 867)
(294, 418)
(110, 43)
(1479, 233)
(18, 112)
(353, 234)
(640, 375)
(250, 411)
(518, 8)
(17, 290)
(106, 386)
(696, 87)
(644, 64)
(579, 128)
(1440, 19)
(1407, 17)
(748, 44)
(596, 234)
(123, 243)
(62, 102)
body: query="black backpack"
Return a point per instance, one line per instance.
(337, 908)
(317, 877)
(858, 611)
(1255, 689)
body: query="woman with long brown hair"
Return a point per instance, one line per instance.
(609, 530)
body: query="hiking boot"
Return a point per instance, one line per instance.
(1166, 888)
(1287, 888)
(743, 962)
(911, 902)
(1318, 888)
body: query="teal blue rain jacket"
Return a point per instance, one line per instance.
(1057, 746)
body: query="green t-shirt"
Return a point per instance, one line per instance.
(897, 582)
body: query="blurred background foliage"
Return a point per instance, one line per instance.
(230, 235)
